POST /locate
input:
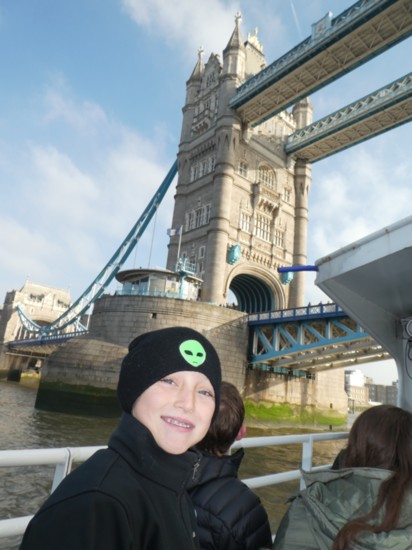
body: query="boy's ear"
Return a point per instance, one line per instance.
(242, 433)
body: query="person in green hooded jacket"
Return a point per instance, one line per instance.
(366, 503)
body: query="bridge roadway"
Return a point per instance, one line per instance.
(336, 46)
(303, 340)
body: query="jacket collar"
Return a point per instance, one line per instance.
(325, 476)
(212, 467)
(134, 442)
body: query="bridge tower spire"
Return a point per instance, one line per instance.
(236, 192)
(234, 53)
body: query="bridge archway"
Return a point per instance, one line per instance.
(255, 290)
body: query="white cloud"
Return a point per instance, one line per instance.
(182, 26)
(78, 188)
(132, 174)
(356, 194)
(84, 116)
(60, 186)
(23, 246)
(116, 180)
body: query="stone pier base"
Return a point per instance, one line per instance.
(81, 377)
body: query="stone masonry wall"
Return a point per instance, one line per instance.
(119, 319)
(81, 378)
(265, 386)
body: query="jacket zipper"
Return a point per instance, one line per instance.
(196, 466)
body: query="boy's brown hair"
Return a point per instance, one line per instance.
(226, 426)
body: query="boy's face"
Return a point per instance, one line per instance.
(177, 410)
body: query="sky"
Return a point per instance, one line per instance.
(90, 116)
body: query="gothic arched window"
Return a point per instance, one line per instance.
(243, 168)
(266, 176)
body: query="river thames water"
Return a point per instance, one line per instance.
(24, 489)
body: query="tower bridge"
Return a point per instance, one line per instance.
(245, 190)
(241, 201)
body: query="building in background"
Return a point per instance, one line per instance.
(381, 393)
(358, 393)
(362, 391)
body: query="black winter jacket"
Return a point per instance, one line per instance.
(230, 516)
(130, 496)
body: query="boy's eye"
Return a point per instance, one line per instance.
(167, 380)
(207, 393)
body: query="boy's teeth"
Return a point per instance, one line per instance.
(182, 424)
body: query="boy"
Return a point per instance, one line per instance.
(133, 494)
(230, 516)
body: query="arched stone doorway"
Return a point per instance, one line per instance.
(256, 292)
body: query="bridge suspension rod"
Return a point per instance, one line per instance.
(107, 274)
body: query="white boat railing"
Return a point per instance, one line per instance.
(63, 459)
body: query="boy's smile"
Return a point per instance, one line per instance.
(179, 423)
(177, 410)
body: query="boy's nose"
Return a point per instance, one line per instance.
(186, 400)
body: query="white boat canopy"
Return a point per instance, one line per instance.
(371, 279)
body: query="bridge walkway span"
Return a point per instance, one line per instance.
(363, 119)
(336, 46)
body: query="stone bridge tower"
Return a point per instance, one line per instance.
(240, 201)
(40, 303)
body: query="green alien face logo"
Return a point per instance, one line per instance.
(193, 352)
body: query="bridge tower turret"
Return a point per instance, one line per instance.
(192, 92)
(227, 138)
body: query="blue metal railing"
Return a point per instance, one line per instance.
(297, 314)
(46, 339)
(376, 102)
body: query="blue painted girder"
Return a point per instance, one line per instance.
(74, 313)
(275, 340)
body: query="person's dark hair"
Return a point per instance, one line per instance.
(224, 429)
(381, 437)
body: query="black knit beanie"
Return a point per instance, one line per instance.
(154, 355)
